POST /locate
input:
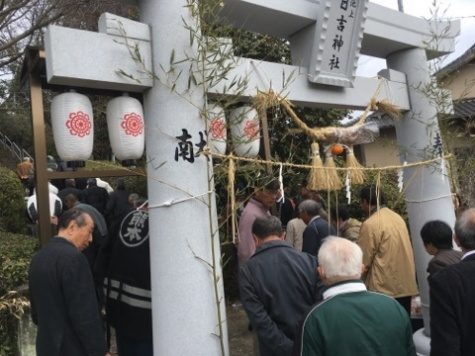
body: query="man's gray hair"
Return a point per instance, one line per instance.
(310, 206)
(340, 257)
(465, 229)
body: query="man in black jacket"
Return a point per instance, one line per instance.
(127, 285)
(278, 285)
(317, 227)
(63, 300)
(452, 292)
(95, 196)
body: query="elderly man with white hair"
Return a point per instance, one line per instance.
(351, 320)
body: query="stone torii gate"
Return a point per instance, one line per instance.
(406, 42)
(187, 292)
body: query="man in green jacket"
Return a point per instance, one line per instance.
(351, 320)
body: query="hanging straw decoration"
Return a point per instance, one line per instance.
(333, 180)
(317, 178)
(347, 135)
(355, 172)
(232, 195)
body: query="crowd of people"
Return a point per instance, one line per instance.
(92, 276)
(312, 282)
(328, 284)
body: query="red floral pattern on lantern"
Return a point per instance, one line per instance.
(251, 129)
(217, 128)
(132, 124)
(79, 124)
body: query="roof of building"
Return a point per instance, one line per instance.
(464, 59)
(464, 108)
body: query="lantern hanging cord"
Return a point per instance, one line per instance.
(172, 202)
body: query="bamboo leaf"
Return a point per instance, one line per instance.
(172, 56)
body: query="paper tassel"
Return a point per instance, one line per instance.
(317, 178)
(281, 182)
(332, 180)
(348, 187)
(357, 175)
(400, 178)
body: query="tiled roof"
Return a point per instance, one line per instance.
(464, 108)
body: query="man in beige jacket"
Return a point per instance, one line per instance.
(387, 251)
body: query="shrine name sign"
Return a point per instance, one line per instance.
(338, 34)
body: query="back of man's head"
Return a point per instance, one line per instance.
(310, 206)
(371, 195)
(273, 185)
(92, 182)
(70, 183)
(263, 228)
(340, 258)
(465, 229)
(437, 233)
(77, 215)
(339, 213)
(70, 200)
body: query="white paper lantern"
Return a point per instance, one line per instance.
(126, 129)
(245, 131)
(73, 127)
(216, 129)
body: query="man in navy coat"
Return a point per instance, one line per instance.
(452, 296)
(63, 300)
(317, 227)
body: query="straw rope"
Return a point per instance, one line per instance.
(232, 195)
(308, 166)
(264, 100)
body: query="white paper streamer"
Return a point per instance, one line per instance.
(348, 188)
(443, 168)
(400, 178)
(281, 181)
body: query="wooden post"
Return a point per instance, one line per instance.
(41, 180)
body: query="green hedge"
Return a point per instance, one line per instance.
(15, 254)
(12, 202)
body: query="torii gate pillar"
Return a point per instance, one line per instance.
(428, 195)
(187, 302)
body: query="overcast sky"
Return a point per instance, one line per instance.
(457, 9)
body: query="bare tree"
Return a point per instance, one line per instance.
(21, 21)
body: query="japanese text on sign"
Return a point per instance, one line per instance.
(338, 36)
(185, 149)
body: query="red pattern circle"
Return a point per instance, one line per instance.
(251, 129)
(79, 124)
(132, 124)
(217, 128)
